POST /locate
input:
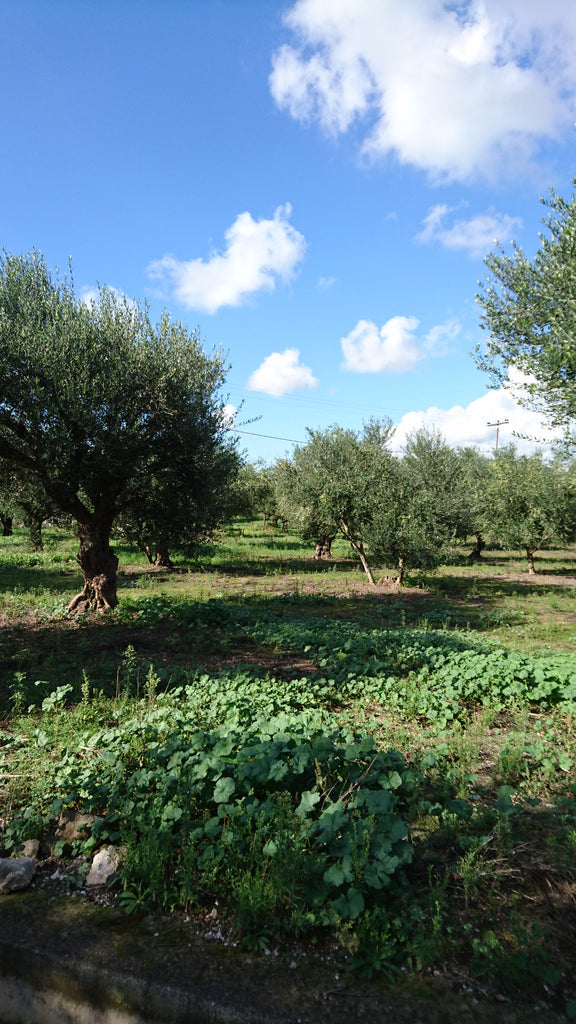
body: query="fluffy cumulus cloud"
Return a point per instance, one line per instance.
(258, 253)
(457, 89)
(475, 236)
(228, 416)
(281, 373)
(395, 347)
(474, 425)
(91, 296)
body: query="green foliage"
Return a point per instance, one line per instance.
(400, 512)
(22, 495)
(108, 412)
(335, 483)
(521, 960)
(315, 819)
(423, 505)
(526, 503)
(438, 676)
(528, 308)
(254, 493)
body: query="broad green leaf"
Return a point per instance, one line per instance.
(351, 904)
(223, 790)
(308, 801)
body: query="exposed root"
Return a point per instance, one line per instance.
(94, 597)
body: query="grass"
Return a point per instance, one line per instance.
(394, 771)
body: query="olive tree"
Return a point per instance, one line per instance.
(335, 484)
(529, 310)
(182, 495)
(528, 504)
(22, 495)
(301, 509)
(423, 506)
(95, 401)
(473, 471)
(254, 491)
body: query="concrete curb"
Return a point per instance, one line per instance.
(65, 961)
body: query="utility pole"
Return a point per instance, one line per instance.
(498, 424)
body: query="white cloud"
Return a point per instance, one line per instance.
(325, 283)
(437, 341)
(91, 296)
(257, 254)
(475, 236)
(457, 89)
(394, 347)
(469, 426)
(281, 373)
(228, 416)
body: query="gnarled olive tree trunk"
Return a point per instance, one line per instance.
(34, 525)
(99, 566)
(323, 548)
(163, 560)
(6, 524)
(476, 553)
(400, 570)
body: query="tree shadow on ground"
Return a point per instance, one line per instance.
(29, 578)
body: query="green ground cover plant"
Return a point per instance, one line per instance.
(388, 776)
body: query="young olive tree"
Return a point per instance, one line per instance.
(254, 492)
(435, 469)
(96, 402)
(299, 508)
(529, 310)
(527, 503)
(423, 507)
(334, 484)
(474, 468)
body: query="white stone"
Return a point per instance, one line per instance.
(103, 870)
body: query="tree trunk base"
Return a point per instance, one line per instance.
(400, 570)
(99, 567)
(323, 548)
(6, 523)
(476, 553)
(98, 595)
(163, 560)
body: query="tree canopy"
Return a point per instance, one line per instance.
(527, 503)
(334, 483)
(98, 403)
(423, 505)
(529, 309)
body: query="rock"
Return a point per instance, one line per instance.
(103, 870)
(29, 848)
(16, 873)
(72, 826)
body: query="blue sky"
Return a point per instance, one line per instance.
(313, 183)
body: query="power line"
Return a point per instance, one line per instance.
(272, 437)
